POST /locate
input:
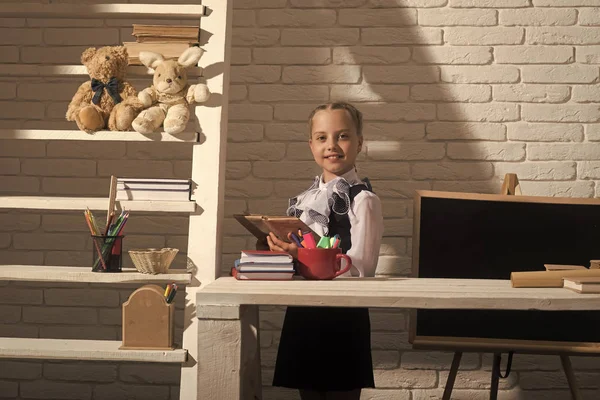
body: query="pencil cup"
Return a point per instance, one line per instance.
(148, 320)
(107, 253)
(322, 264)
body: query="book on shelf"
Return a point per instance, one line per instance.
(153, 189)
(149, 194)
(167, 49)
(153, 184)
(167, 33)
(583, 284)
(562, 267)
(166, 181)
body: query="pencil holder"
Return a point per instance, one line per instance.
(107, 253)
(148, 320)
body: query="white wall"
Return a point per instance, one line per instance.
(455, 94)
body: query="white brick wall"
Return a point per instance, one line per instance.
(455, 93)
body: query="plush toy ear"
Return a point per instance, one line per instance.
(121, 52)
(151, 59)
(190, 57)
(87, 55)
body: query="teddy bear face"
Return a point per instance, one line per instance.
(106, 62)
(170, 77)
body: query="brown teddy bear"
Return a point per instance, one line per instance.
(106, 99)
(167, 100)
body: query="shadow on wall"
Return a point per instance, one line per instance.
(424, 113)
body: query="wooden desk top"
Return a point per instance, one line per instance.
(395, 293)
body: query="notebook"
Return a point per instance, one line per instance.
(261, 276)
(265, 257)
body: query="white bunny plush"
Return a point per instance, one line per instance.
(166, 101)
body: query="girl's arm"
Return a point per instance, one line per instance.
(366, 229)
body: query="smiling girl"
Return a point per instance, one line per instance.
(325, 352)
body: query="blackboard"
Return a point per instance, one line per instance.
(459, 235)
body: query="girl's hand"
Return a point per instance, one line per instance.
(276, 244)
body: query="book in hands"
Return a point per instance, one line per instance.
(261, 225)
(583, 284)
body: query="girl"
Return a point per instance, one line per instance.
(325, 352)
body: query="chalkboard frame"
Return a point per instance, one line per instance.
(489, 344)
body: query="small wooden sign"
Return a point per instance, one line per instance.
(148, 320)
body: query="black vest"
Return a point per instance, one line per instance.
(340, 224)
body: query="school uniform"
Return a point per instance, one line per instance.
(329, 348)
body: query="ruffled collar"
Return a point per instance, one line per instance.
(314, 205)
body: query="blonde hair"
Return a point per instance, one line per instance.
(339, 105)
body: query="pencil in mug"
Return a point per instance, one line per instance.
(168, 291)
(172, 293)
(108, 222)
(93, 220)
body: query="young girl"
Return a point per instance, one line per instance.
(325, 352)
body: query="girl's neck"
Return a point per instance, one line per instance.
(327, 176)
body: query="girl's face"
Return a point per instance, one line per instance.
(334, 142)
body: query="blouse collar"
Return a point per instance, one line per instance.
(351, 177)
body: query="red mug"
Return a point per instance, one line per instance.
(322, 264)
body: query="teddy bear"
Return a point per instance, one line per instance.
(167, 100)
(107, 99)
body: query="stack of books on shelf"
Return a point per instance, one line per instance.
(168, 40)
(153, 189)
(263, 265)
(582, 284)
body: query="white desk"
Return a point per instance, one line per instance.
(228, 352)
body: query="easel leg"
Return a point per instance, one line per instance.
(495, 377)
(452, 375)
(567, 367)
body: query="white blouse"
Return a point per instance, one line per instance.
(366, 228)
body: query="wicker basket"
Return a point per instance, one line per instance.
(153, 261)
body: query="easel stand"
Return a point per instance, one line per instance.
(510, 186)
(496, 375)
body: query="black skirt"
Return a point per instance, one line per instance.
(325, 349)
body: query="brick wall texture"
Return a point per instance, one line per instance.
(455, 94)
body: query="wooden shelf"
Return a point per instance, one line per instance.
(73, 70)
(71, 349)
(130, 136)
(487, 294)
(45, 273)
(81, 203)
(159, 11)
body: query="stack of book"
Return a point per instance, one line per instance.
(168, 40)
(583, 284)
(263, 265)
(153, 189)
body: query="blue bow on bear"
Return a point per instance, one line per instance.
(112, 87)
